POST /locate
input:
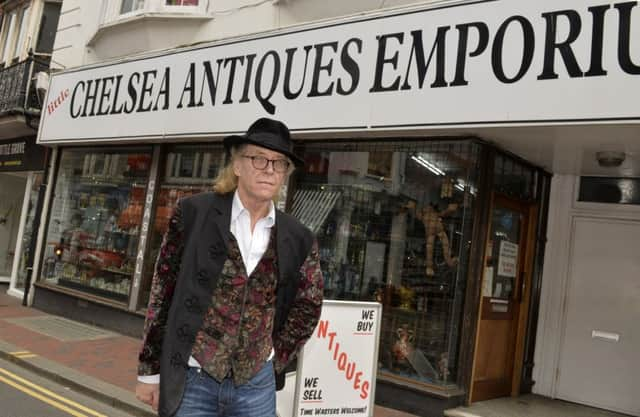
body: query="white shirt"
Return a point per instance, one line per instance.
(252, 246)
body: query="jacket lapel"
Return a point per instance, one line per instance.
(282, 247)
(220, 216)
(213, 240)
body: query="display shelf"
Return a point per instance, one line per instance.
(98, 249)
(104, 268)
(127, 274)
(116, 271)
(93, 290)
(121, 232)
(108, 182)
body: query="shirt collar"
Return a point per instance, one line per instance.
(237, 208)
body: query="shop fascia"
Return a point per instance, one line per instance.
(21, 154)
(149, 90)
(572, 43)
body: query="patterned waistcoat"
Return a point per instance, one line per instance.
(236, 332)
(200, 267)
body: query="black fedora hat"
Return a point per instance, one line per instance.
(267, 133)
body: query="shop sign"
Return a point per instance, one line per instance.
(452, 64)
(337, 368)
(21, 154)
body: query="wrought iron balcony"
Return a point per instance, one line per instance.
(17, 91)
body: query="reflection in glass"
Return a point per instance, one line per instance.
(502, 254)
(95, 220)
(188, 169)
(393, 224)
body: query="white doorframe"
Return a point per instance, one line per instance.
(16, 292)
(569, 288)
(562, 213)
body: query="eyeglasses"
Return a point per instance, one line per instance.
(260, 162)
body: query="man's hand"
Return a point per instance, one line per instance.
(148, 394)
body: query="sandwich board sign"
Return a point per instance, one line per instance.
(337, 368)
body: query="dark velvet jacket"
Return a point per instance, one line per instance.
(203, 242)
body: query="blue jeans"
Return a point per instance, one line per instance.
(205, 397)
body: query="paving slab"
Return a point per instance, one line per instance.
(528, 406)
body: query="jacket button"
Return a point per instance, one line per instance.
(184, 335)
(215, 251)
(192, 305)
(176, 360)
(203, 279)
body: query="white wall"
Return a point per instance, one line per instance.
(84, 38)
(563, 208)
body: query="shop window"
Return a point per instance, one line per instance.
(187, 170)
(514, 179)
(95, 219)
(393, 221)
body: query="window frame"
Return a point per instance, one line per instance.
(111, 10)
(132, 12)
(14, 34)
(21, 34)
(8, 35)
(199, 9)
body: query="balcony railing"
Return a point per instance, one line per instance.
(17, 92)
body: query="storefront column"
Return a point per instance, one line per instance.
(35, 274)
(149, 202)
(18, 250)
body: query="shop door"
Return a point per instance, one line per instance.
(599, 363)
(504, 298)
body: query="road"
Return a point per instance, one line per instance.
(25, 394)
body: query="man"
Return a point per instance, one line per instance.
(237, 289)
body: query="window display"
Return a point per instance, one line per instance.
(95, 220)
(188, 169)
(393, 221)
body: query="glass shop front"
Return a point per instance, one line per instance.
(394, 219)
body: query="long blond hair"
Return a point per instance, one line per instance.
(227, 181)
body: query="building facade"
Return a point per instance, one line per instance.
(430, 132)
(27, 32)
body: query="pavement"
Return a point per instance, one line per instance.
(96, 362)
